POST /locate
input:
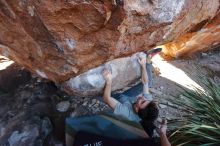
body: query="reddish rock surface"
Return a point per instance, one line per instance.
(202, 37)
(62, 39)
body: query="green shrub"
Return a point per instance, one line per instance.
(200, 124)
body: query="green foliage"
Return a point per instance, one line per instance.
(201, 123)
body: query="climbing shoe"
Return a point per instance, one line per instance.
(152, 52)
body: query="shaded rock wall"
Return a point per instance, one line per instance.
(61, 39)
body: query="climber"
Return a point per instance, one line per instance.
(143, 107)
(144, 110)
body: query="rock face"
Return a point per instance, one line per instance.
(212, 62)
(125, 71)
(59, 40)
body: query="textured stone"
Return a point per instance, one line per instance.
(59, 40)
(26, 137)
(162, 106)
(211, 62)
(63, 106)
(124, 72)
(46, 127)
(201, 36)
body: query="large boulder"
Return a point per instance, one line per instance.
(125, 71)
(59, 40)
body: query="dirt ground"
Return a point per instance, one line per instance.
(28, 102)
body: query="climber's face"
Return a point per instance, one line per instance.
(141, 103)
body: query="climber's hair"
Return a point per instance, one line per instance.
(148, 115)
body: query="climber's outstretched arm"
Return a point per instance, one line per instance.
(144, 76)
(107, 91)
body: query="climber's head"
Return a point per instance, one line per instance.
(148, 112)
